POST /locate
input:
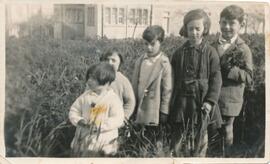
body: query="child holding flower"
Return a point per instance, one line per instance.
(97, 113)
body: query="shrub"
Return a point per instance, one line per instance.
(44, 77)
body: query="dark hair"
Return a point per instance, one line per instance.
(233, 12)
(109, 53)
(153, 33)
(195, 15)
(102, 72)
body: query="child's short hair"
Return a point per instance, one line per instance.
(195, 15)
(102, 72)
(154, 33)
(109, 53)
(233, 12)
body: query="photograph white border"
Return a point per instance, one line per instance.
(21, 160)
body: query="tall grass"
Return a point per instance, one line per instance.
(44, 77)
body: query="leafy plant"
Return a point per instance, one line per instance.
(44, 77)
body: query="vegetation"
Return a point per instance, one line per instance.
(44, 77)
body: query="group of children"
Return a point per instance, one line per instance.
(201, 86)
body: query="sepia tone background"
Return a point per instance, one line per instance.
(117, 20)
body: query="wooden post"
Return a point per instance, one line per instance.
(151, 14)
(246, 23)
(133, 35)
(102, 20)
(126, 19)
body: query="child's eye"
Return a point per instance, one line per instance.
(223, 22)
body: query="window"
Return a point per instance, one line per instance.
(74, 15)
(79, 15)
(57, 12)
(114, 16)
(91, 16)
(132, 16)
(121, 16)
(139, 16)
(145, 17)
(108, 15)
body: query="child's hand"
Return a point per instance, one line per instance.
(163, 117)
(207, 107)
(82, 123)
(94, 128)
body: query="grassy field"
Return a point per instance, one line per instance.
(44, 77)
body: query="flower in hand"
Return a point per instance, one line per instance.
(83, 124)
(207, 107)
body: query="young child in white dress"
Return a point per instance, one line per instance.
(97, 113)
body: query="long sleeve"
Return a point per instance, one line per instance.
(115, 117)
(215, 80)
(75, 112)
(134, 80)
(128, 99)
(166, 88)
(243, 75)
(174, 61)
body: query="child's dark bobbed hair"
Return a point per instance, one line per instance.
(102, 72)
(233, 12)
(195, 15)
(154, 33)
(109, 53)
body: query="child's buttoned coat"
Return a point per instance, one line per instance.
(155, 97)
(232, 90)
(209, 81)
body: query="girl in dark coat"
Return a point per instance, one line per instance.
(197, 83)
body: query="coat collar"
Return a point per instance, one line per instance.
(200, 47)
(152, 59)
(221, 40)
(157, 67)
(238, 42)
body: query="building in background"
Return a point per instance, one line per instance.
(19, 14)
(93, 20)
(116, 20)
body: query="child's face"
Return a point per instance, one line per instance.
(153, 48)
(92, 84)
(229, 27)
(195, 30)
(114, 60)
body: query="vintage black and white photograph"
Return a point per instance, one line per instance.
(127, 79)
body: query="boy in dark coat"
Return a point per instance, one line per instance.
(236, 68)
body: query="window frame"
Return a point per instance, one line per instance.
(91, 16)
(74, 15)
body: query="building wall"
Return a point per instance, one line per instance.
(91, 20)
(135, 19)
(73, 26)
